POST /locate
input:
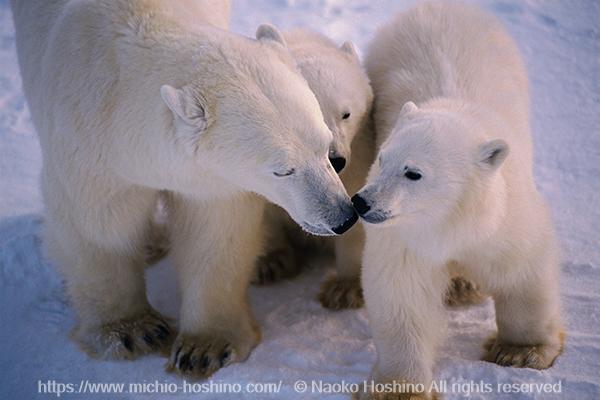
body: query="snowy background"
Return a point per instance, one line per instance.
(560, 41)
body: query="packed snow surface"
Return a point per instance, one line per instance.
(560, 41)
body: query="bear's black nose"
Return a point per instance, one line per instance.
(338, 230)
(360, 204)
(338, 163)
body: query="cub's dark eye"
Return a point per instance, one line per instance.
(346, 115)
(285, 173)
(413, 175)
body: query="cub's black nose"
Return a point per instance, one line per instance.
(360, 204)
(338, 230)
(338, 163)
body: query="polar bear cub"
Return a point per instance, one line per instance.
(130, 99)
(453, 184)
(341, 86)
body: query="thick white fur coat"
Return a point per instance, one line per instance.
(452, 106)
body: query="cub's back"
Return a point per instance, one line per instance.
(447, 50)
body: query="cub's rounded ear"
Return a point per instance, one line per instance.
(408, 107)
(186, 106)
(348, 47)
(491, 154)
(269, 32)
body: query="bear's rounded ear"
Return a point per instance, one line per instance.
(348, 47)
(408, 107)
(186, 106)
(491, 154)
(269, 32)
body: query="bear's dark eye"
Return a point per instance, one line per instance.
(413, 175)
(346, 115)
(285, 173)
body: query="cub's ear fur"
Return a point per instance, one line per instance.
(348, 47)
(491, 154)
(269, 32)
(408, 107)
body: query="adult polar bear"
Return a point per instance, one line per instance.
(241, 120)
(450, 100)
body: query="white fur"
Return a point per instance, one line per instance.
(452, 104)
(201, 12)
(133, 97)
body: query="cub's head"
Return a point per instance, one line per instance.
(255, 123)
(432, 161)
(343, 91)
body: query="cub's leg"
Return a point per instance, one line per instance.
(214, 246)
(403, 298)
(343, 289)
(281, 259)
(97, 244)
(528, 317)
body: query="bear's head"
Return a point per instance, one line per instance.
(434, 165)
(256, 125)
(344, 94)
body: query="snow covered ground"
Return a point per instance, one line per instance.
(560, 41)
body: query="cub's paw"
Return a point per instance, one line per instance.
(128, 338)
(202, 355)
(276, 266)
(462, 292)
(340, 293)
(539, 356)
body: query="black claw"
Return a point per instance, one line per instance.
(205, 362)
(224, 358)
(192, 363)
(177, 355)
(127, 342)
(161, 332)
(455, 285)
(269, 274)
(498, 352)
(278, 265)
(184, 362)
(149, 340)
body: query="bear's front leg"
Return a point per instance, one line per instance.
(214, 246)
(404, 302)
(528, 317)
(98, 246)
(115, 319)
